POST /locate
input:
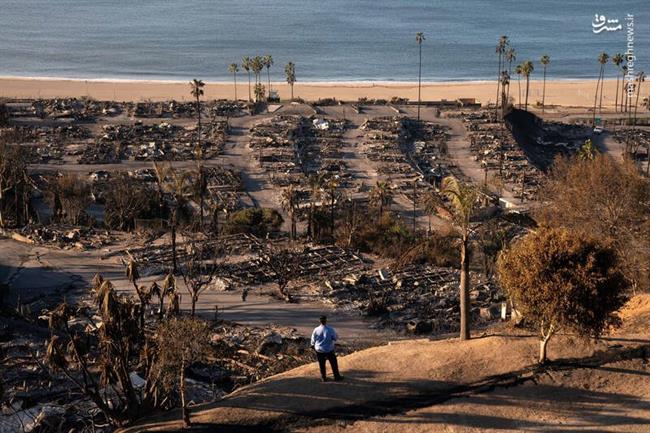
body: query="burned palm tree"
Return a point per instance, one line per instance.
(144, 295)
(167, 290)
(99, 360)
(289, 202)
(381, 196)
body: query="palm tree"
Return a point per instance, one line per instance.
(617, 60)
(268, 62)
(290, 72)
(527, 68)
(505, 82)
(463, 199)
(419, 38)
(519, 71)
(602, 59)
(257, 65)
(623, 89)
(381, 195)
(196, 89)
(431, 205)
(640, 78)
(233, 69)
(289, 202)
(500, 50)
(246, 64)
(545, 60)
(511, 56)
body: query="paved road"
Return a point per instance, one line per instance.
(36, 272)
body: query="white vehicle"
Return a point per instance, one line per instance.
(598, 130)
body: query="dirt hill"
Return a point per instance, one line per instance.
(490, 383)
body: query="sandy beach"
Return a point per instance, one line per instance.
(561, 92)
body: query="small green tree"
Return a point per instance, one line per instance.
(588, 151)
(561, 280)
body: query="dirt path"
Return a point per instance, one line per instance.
(420, 376)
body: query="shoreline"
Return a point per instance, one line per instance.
(562, 92)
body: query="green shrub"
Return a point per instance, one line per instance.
(256, 221)
(387, 237)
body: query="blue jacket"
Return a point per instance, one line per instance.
(323, 339)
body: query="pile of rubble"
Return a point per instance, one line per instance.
(225, 188)
(496, 150)
(420, 299)
(323, 152)
(183, 110)
(65, 237)
(383, 140)
(153, 142)
(278, 142)
(45, 144)
(36, 399)
(429, 150)
(411, 153)
(77, 109)
(637, 141)
(247, 354)
(314, 264)
(157, 259)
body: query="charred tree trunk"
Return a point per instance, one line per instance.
(544, 342)
(184, 408)
(174, 261)
(464, 289)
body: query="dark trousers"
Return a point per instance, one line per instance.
(331, 357)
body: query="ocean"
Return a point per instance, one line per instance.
(328, 40)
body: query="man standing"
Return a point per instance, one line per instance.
(322, 340)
